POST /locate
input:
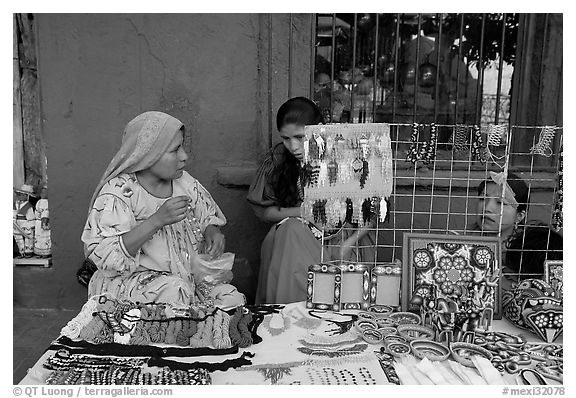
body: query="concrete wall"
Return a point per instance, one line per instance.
(97, 72)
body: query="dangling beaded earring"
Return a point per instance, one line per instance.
(515, 233)
(307, 174)
(365, 172)
(349, 210)
(315, 173)
(460, 137)
(323, 173)
(332, 172)
(558, 213)
(366, 210)
(478, 147)
(413, 151)
(430, 153)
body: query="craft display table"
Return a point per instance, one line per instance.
(299, 347)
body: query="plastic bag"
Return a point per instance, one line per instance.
(214, 271)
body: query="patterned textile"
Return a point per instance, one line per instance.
(163, 270)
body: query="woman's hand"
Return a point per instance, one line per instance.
(215, 241)
(172, 211)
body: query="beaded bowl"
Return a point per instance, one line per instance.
(367, 316)
(432, 350)
(405, 318)
(387, 330)
(372, 336)
(394, 338)
(364, 324)
(398, 349)
(385, 321)
(461, 352)
(381, 310)
(415, 332)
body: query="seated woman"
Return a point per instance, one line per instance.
(149, 219)
(276, 195)
(502, 209)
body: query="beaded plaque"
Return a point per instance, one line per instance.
(461, 269)
(324, 287)
(385, 286)
(355, 293)
(554, 276)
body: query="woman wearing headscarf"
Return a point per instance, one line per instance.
(501, 209)
(149, 219)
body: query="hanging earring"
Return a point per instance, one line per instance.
(306, 149)
(313, 149)
(307, 174)
(314, 173)
(363, 142)
(513, 235)
(357, 166)
(430, 153)
(460, 137)
(323, 173)
(544, 145)
(478, 147)
(330, 147)
(413, 151)
(320, 143)
(558, 213)
(332, 172)
(349, 210)
(366, 210)
(365, 172)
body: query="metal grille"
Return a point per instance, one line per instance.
(458, 71)
(387, 68)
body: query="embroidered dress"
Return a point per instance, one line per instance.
(163, 269)
(290, 247)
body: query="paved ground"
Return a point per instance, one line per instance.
(34, 330)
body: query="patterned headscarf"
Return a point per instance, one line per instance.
(146, 138)
(501, 180)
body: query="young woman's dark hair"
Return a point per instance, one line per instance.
(300, 111)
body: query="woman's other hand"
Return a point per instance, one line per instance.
(215, 241)
(172, 211)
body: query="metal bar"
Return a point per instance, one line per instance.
(396, 67)
(519, 71)
(312, 52)
(539, 98)
(437, 78)
(480, 65)
(332, 60)
(270, 81)
(374, 85)
(458, 68)
(500, 65)
(416, 67)
(290, 40)
(353, 67)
